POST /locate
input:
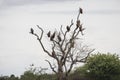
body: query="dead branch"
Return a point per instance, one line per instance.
(63, 49)
(39, 38)
(53, 68)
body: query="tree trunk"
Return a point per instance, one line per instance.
(60, 72)
(62, 76)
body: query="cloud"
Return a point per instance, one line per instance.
(28, 2)
(8, 4)
(100, 12)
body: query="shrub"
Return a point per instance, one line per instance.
(103, 66)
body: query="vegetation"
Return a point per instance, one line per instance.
(103, 67)
(12, 77)
(98, 67)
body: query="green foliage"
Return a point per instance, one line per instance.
(47, 77)
(37, 73)
(103, 66)
(12, 77)
(98, 67)
(4, 77)
(79, 74)
(81, 71)
(28, 76)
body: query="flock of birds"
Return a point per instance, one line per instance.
(52, 36)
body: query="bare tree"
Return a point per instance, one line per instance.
(66, 49)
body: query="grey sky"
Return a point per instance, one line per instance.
(19, 49)
(9, 3)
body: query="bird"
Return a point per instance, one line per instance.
(32, 65)
(48, 34)
(52, 37)
(53, 54)
(68, 28)
(81, 10)
(31, 31)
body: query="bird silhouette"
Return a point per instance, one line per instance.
(31, 31)
(53, 54)
(52, 37)
(48, 34)
(81, 10)
(32, 65)
(68, 28)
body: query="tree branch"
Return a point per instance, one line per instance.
(64, 35)
(85, 58)
(40, 38)
(53, 68)
(61, 30)
(71, 66)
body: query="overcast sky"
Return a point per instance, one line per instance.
(19, 49)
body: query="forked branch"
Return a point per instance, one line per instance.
(39, 38)
(53, 68)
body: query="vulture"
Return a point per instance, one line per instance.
(81, 11)
(52, 37)
(48, 34)
(53, 54)
(31, 31)
(68, 28)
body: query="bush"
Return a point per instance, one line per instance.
(103, 67)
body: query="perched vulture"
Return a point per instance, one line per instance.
(68, 28)
(48, 34)
(52, 37)
(81, 11)
(32, 65)
(31, 31)
(53, 54)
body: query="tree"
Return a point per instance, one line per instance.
(28, 75)
(103, 66)
(4, 77)
(66, 49)
(34, 73)
(13, 77)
